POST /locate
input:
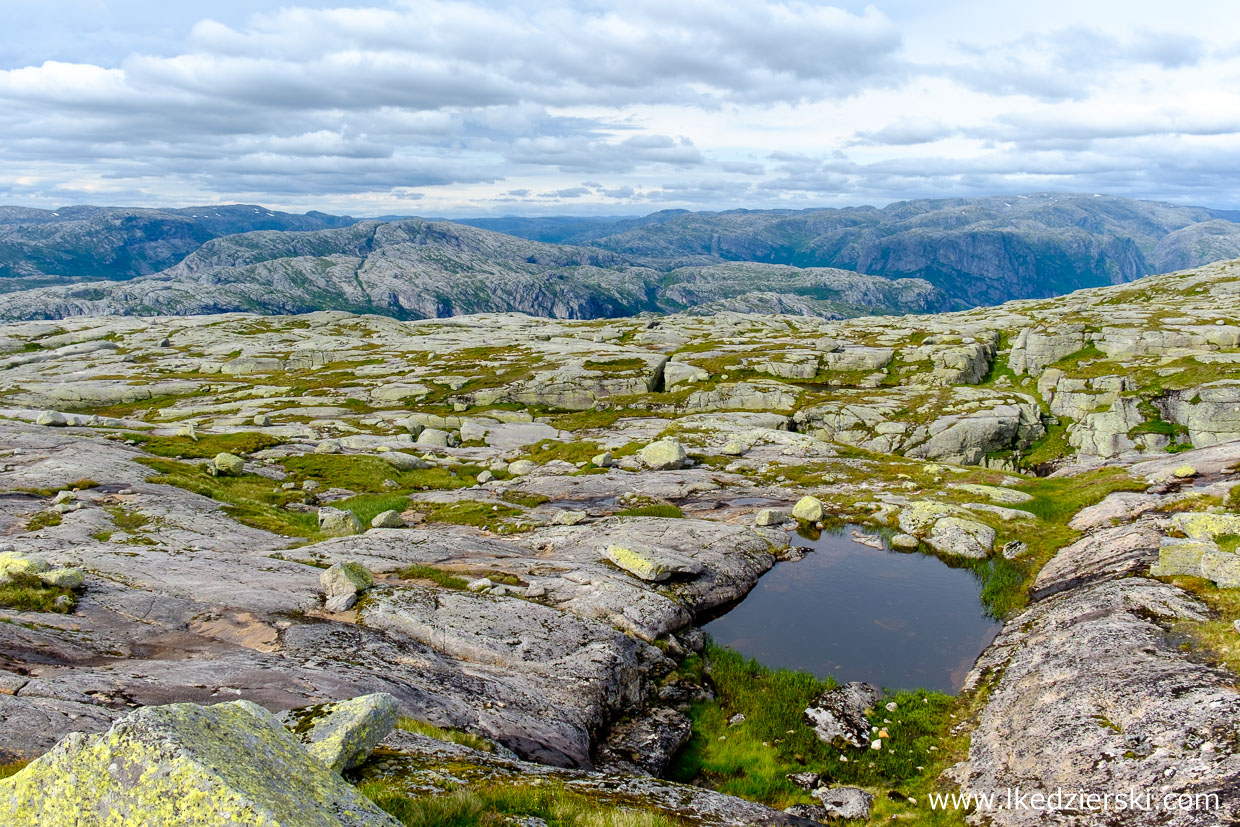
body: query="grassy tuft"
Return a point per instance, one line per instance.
(452, 736)
(11, 769)
(206, 446)
(657, 510)
(27, 593)
(419, 571)
(44, 519)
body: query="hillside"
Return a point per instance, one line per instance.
(978, 251)
(414, 269)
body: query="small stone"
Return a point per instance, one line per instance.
(228, 465)
(343, 734)
(262, 420)
(327, 446)
(1013, 549)
(387, 519)
(732, 449)
(54, 419)
(335, 522)
(485, 477)
(663, 455)
(310, 486)
(521, 467)
(738, 718)
(845, 802)
(808, 510)
(876, 744)
(602, 460)
(63, 497)
(480, 585)
(891, 706)
(64, 578)
(905, 541)
(434, 438)
(1184, 472)
(770, 516)
(809, 812)
(805, 780)
(569, 518)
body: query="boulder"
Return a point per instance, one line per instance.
(16, 564)
(388, 519)
(652, 564)
(905, 541)
(846, 803)
(227, 465)
(342, 734)
(521, 467)
(1200, 525)
(403, 462)
(434, 438)
(838, 715)
(334, 522)
(961, 537)
(343, 582)
(808, 510)
(185, 765)
(54, 419)
(64, 578)
(1178, 555)
(647, 743)
(663, 455)
(569, 518)
(770, 516)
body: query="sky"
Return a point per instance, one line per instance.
(486, 107)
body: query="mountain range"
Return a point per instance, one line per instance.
(912, 256)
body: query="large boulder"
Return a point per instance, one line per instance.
(336, 523)
(652, 564)
(227, 465)
(343, 582)
(808, 510)
(185, 765)
(961, 537)
(838, 715)
(342, 734)
(663, 455)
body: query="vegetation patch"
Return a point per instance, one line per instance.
(524, 499)
(366, 474)
(44, 519)
(419, 571)
(27, 593)
(490, 516)
(205, 446)
(452, 736)
(76, 485)
(752, 758)
(13, 768)
(657, 510)
(495, 804)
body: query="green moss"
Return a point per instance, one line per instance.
(452, 736)
(367, 474)
(615, 365)
(206, 446)
(494, 804)
(659, 510)
(523, 498)
(76, 485)
(443, 578)
(13, 768)
(27, 593)
(751, 759)
(44, 519)
(470, 512)
(572, 452)
(126, 520)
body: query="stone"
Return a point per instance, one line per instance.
(663, 455)
(603, 460)
(69, 577)
(342, 734)
(567, 517)
(185, 765)
(387, 519)
(228, 465)
(647, 743)
(838, 715)
(1200, 525)
(1222, 567)
(846, 803)
(484, 477)
(335, 522)
(770, 516)
(54, 419)
(655, 565)
(403, 462)
(808, 510)
(521, 467)
(327, 446)
(1013, 549)
(1184, 472)
(63, 497)
(13, 563)
(480, 585)
(1178, 555)
(262, 420)
(805, 780)
(345, 579)
(809, 812)
(434, 438)
(904, 541)
(961, 537)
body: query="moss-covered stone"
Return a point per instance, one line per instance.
(343, 734)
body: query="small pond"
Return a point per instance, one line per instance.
(857, 613)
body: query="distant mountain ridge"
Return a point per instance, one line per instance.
(415, 269)
(928, 255)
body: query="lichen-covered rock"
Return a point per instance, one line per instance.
(53, 419)
(69, 577)
(808, 510)
(838, 715)
(652, 564)
(342, 734)
(184, 765)
(14, 563)
(845, 802)
(521, 467)
(1201, 525)
(1177, 555)
(227, 465)
(663, 455)
(404, 462)
(770, 516)
(343, 582)
(387, 519)
(335, 522)
(961, 537)
(434, 438)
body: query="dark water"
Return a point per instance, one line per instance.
(857, 613)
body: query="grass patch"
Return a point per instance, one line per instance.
(206, 446)
(495, 804)
(11, 769)
(366, 474)
(368, 506)
(27, 593)
(452, 736)
(751, 759)
(127, 521)
(76, 485)
(44, 519)
(658, 510)
(615, 365)
(523, 498)
(1216, 637)
(419, 571)
(1058, 500)
(248, 499)
(572, 452)
(470, 512)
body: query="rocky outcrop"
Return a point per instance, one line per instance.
(838, 715)
(184, 765)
